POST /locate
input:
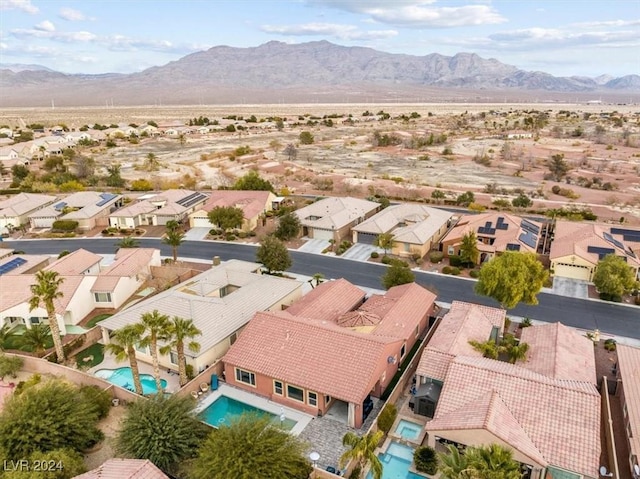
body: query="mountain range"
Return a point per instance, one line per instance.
(310, 72)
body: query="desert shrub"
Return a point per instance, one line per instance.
(474, 273)
(387, 417)
(375, 254)
(398, 262)
(242, 234)
(356, 473)
(386, 259)
(230, 237)
(526, 322)
(426, 460)
(455, 271)
(99, 398)
(610, 345)
(436, 256)
(446, 270)
(455, 261)
(64, 225)
(555, 190)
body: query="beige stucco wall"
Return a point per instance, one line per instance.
(573, 266)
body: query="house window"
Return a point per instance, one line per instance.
(403, 350)
(277, 387)
(417, 330)
(451, 250)
(312, 398)
(233, 338)
(173, 357)
(246, 377)
(295, 393)
(34, 320)
(141, 349)
(327, 400)
(407, 247)
(629, 430)
(624, 410)
(102, 297)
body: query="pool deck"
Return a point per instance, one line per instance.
(302, 419)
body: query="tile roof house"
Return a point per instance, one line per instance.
(220, 301)
(330, 347)
(88, 208)
(15, 211)
(628, 392)
(125, 469)
(496, 232)
(78, 262)
(158, 208)
(416, 228)
(252, 203)
(546, 409)
(577, 248)
(333, 218)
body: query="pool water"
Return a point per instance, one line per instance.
(123, 377)
(408, 430)
(224, 410)
(396, 461)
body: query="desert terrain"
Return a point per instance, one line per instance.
(497, 151)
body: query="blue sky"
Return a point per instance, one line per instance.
(561, 37)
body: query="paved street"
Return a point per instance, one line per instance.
(612, 319)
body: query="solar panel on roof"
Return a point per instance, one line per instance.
(513, 247)
(106, 197)
(192, 199)
(529, 239)
(59, 206)
(487, 224)
(11, 265)
(528, 226)
(612, 240)
(601, 252)
(501, 225)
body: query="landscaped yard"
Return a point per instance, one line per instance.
(93, 321)
(90, 357)
(14, 341)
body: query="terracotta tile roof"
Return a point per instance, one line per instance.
(76, 262)
(252, 203)
(131, 261)
(125, 469)
(311, 354)
(501, 237)
(105, 284)
(463, 322)
(335, 212)
(575, 239)
(629, 372)
(328, 300)
(489, 411)
(16, 289)
(559, 352)
(561, 417)
(134, 209)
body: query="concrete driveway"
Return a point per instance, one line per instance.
(196, 234)
(361, 252)
(573, 288)
(314, 246)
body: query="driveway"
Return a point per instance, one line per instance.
(573, 288)
(196, 234)
(314, 246)
(361, 252)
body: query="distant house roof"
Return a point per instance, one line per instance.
(125, 469)
(591, 242)
(16, 289)
(328, 300)
(408, 222)
(335, 213)
(129, 261)
(463, 322)
(216, 312)
(557, 420)
(629, 372)
(559, 352)
(21, 263)
(167, 203)
(504, 231)
(75, 263)
(23, 203)
(252, 203)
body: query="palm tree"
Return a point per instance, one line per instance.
(469, 253)
(127, 242)
(5, 333)
(152, 163)
(180, 330)
(452, 465)
(517, 352)
(45, 292)
(156, 327)
(172, 225)
(35, 339)
(489, 348)
(174, 238)
(123, 346)
(492, 462)
(363, 450)
(385, 241)
(317, 278)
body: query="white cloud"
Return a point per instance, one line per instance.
(64, 37)
(122, 43)
(72, 15)
(45, 26)
(537, 38)
(343, 32)
(24, 5)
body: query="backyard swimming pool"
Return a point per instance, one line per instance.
(396, 461)
(408, 430)
(123, 377)
(224, 409)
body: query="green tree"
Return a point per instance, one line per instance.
(114, 176)
(557, 166)
(288, 227)
(306, 138)
(273, 254)
(387, 417)
(226, 217)
(613, 277)
(521, 201)
(397, 273)
(179, 331)
(469, 252)
(123, 346)
(438, 195)
(517, 352)
(5, 334)
(385, 241)
(426, 460)
(252, 182)
(452, 464)
(492, 462)
(362, 449)
(52, 415)
(163, 430)
(9, 365)
(44, 293)
(488, 348)
(127, 242)
(151, 162)
(65, 464)
(173, 238)
(250, 448)
(36, 339)
(317, 278)
(172, 225)
(511, 278)
(156, 328)
(84, 167)
(19, 173)
(465, 199)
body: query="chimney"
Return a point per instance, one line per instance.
(216, 261)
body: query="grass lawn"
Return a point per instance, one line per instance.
(93, 321)
(96, 352)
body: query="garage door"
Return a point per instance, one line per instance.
(572, 271)
(367, 238)
(200, 222)
(322, 234)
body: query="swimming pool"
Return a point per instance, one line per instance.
(408, 430)
(224, 409)
(396, 461)
(123, 377)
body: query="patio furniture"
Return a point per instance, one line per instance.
(194, 394)
(334, 470)
(204, 387)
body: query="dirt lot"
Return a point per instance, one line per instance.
(600, 144)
